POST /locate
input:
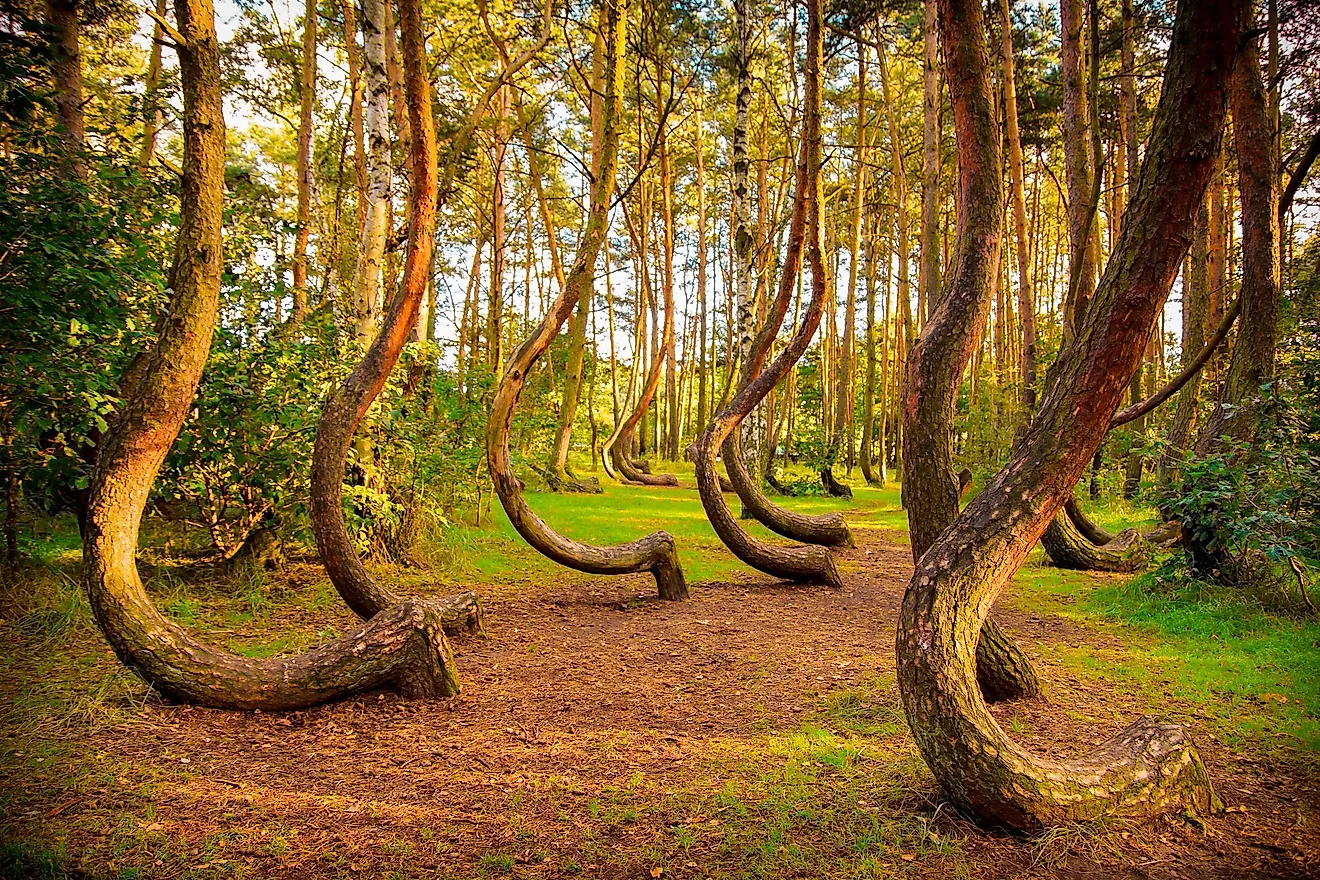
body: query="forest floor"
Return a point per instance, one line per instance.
(752, 731)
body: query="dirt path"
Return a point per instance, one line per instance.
(752, 731)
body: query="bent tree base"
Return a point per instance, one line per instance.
(1067, 547)
(1149, 767)
(656, 552)
(404, 647)
(827, 530)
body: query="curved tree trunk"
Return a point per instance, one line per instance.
(1252, 365)
(656, 552)
(1149, 767)
(1069, 547)
(558, 476)
(1091, 530)
(931, 488)
(403, 647)
(349, 403)
(630, 470)
(800, 563)
(830, 529)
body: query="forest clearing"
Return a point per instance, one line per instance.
(631, 439)
(754, 730)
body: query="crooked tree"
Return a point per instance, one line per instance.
(657, 552)
(1149, 767)
(403, 647)
(800, 563)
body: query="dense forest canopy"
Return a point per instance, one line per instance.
(327, 280)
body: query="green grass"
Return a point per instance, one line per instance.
(1254, 674)
(624, 513)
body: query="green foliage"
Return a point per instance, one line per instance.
(82, 275)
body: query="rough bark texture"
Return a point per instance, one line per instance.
(657, 552)
(349, 403)
(1068, 547)
(1149, 767)
(931, 487)
(404, 647)
(800, 563)
(1252, 364)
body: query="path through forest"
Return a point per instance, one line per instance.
(754, 730)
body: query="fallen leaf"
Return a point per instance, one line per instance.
(656, 872)
(909, 858)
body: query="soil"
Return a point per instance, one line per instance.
(603, 733)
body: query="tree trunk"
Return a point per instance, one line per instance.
(151, 115)
(935, 366)
(928, 278)
(1068, 547)
(498, 244)
(557, 474)
(898, 177)
(375, 229)
(404, 647)
(1077, 162)
(66, 62)
(799, 563)
(843, 387)
(623, 463)
(1149, 767)
(670, 346)
(656, 552)
(1196, 305)
(349, 403)
(306, 101)
(703, 392)
(1235, 414)
(356, 122)
(1026, 290)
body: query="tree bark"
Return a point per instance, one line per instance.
(375, 229)
(928, 277)
(348, 405)
(306, 101)
(1236, 411)
(1026, 290)
(1196, 307)
(1068, 547)
(799, 563)
(62, 16)
(1078, 165)
(404, 647)
(703, 392)
(151, 115)
(658, 551)
(1149, 767)
(843, 387)
(930, 488)
(558, 476)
